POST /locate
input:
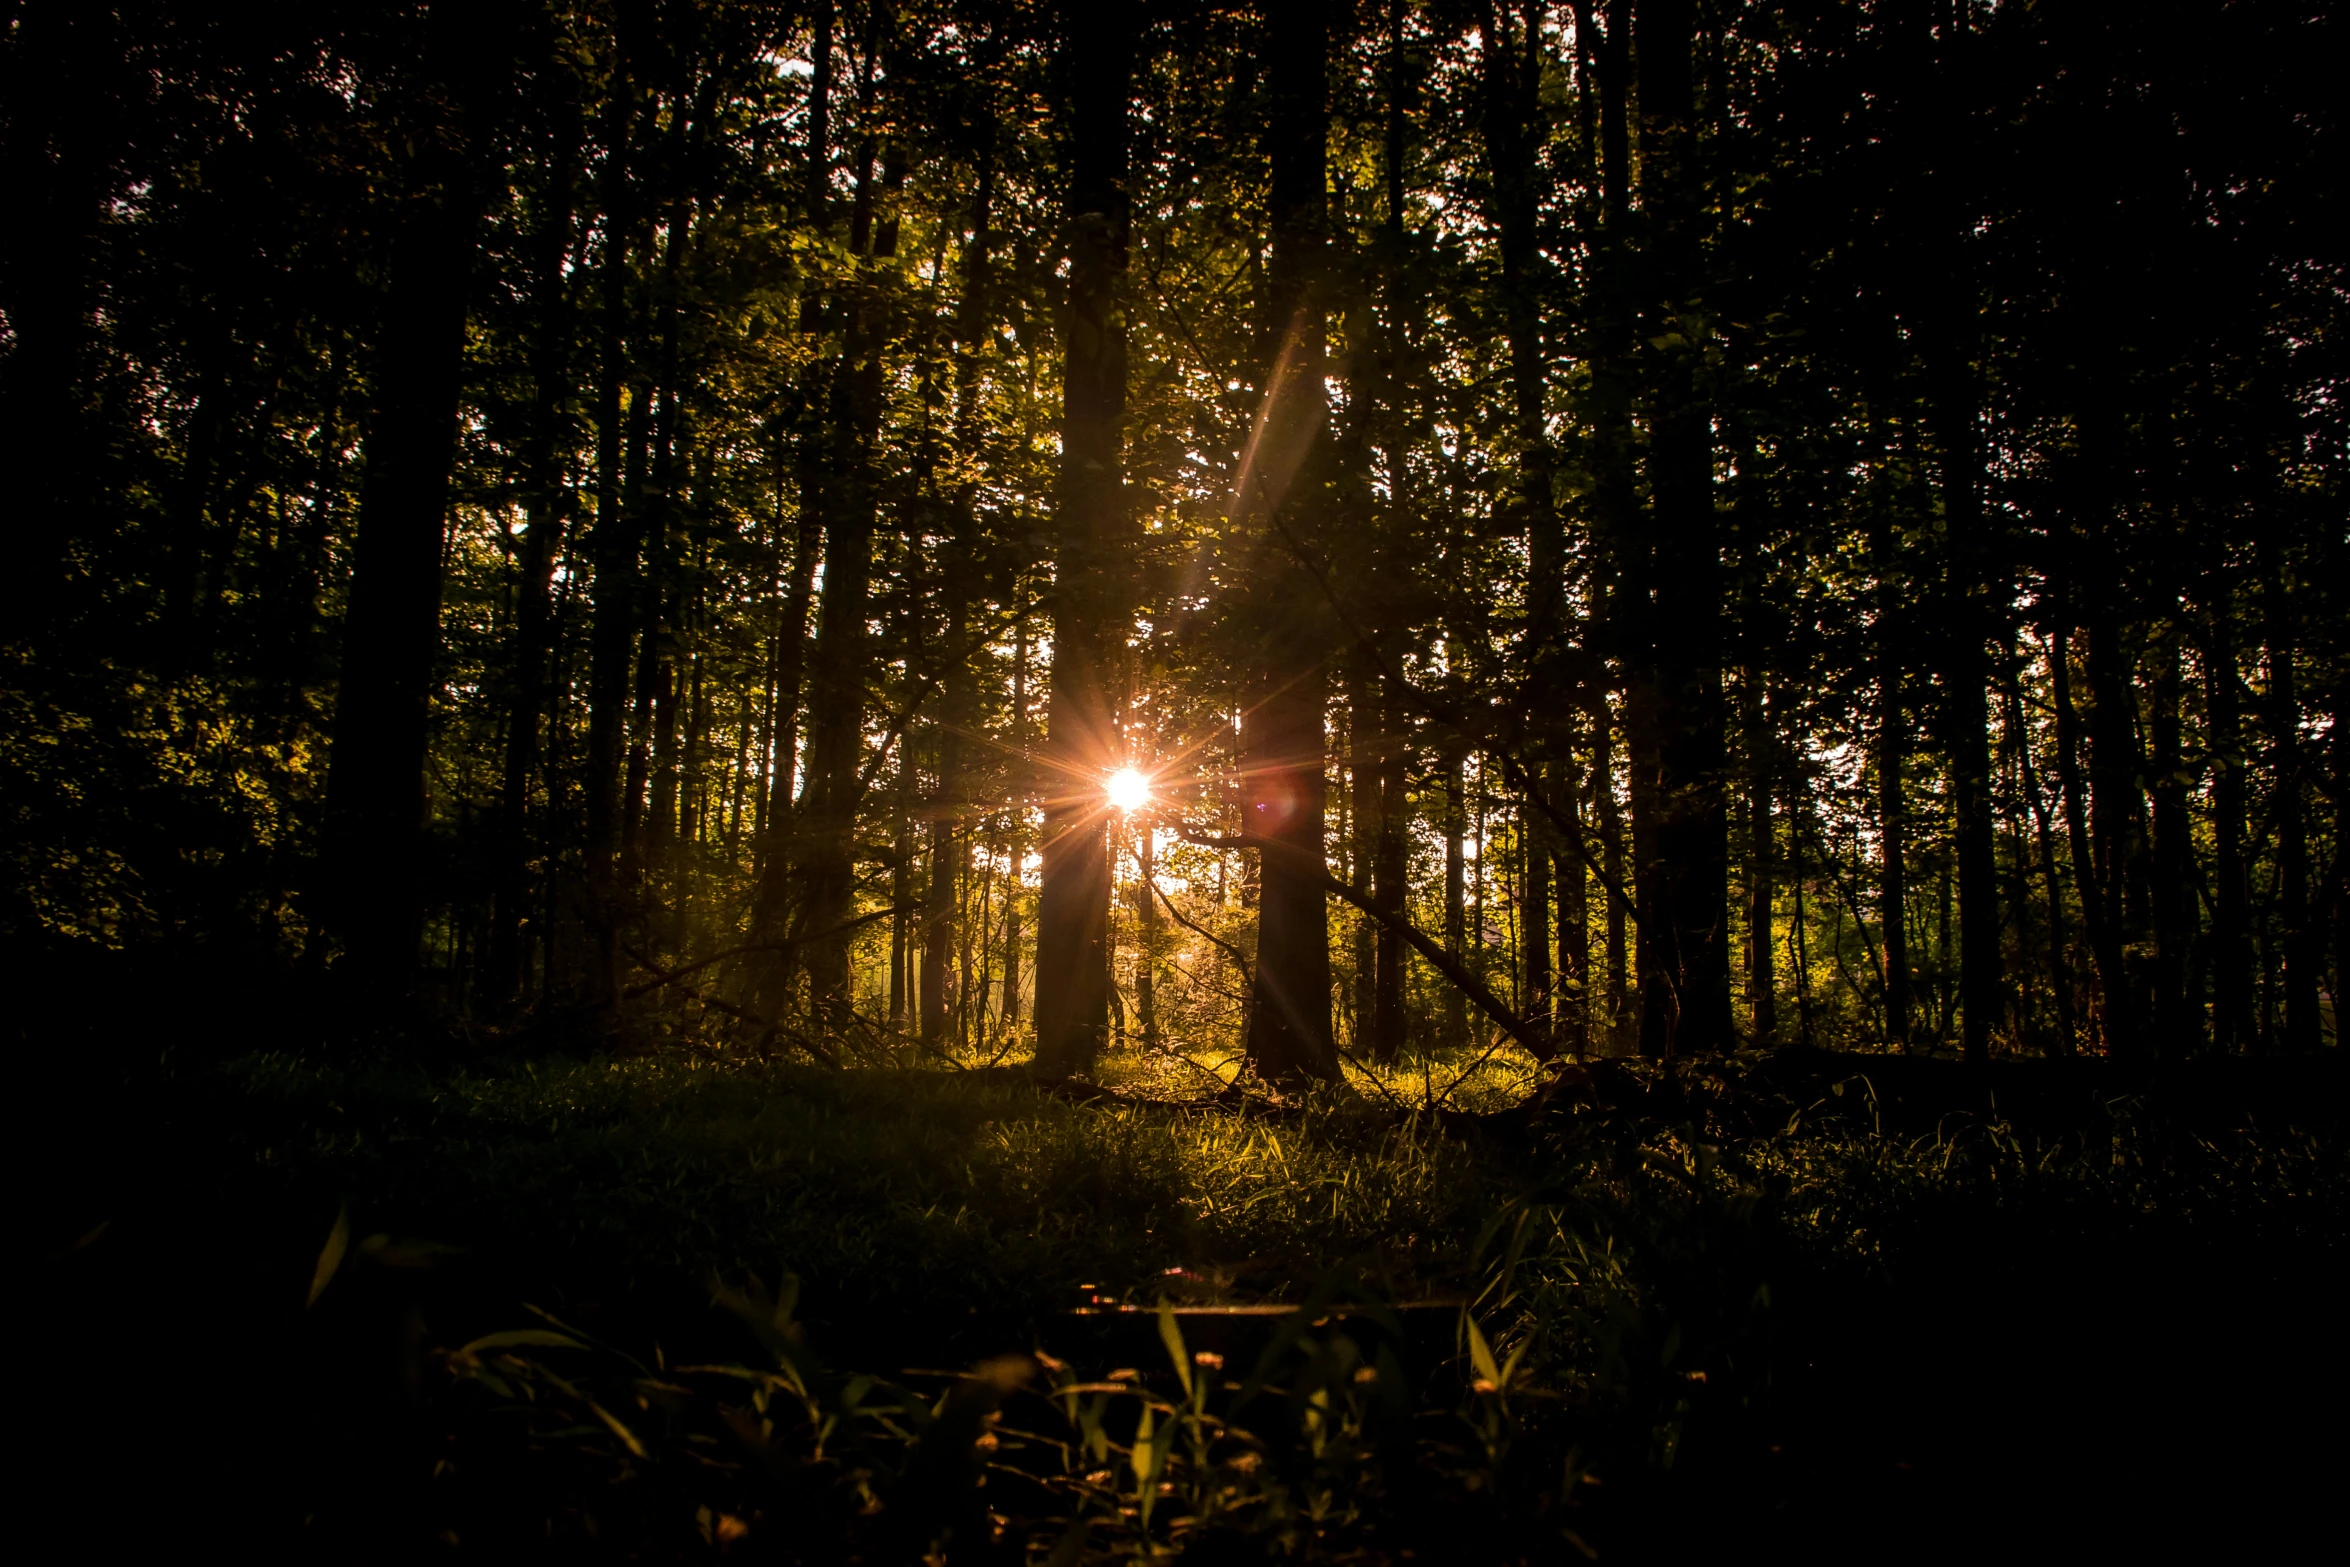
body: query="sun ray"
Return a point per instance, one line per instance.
(1129, 789)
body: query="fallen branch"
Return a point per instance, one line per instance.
(662, 976)
(772, 1027)
(1300, 863)
(1230, 950)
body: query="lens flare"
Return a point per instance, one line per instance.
(1129, 790)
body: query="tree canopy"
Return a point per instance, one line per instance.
(1604, 529)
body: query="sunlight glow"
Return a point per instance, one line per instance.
(1129, 790)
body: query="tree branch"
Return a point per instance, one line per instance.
(1308, 867)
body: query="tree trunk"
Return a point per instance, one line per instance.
(1684, 924)
(771, 902)
(1359, 829)
(901, 893)
(1892, 794)
(1390, 881)
(1016, 879)
(2114, 811)
(1762, 984)
(1574, 934)
(782, 823)
(614, 557)
(1966, 735)
(1537, 1001)
(529, 683)
(2104, 933)
(2302, 946)
(2231, 938)
(1613, 858)
(841, 666)
(949, 806)
(1092, 561)
(1283, 777)
(1513, 134)
(2176, 1033)
(376, 804)
(2060, 973)
(1146, 931)
(1456, 883)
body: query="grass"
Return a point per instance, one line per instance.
(1710, 1308)
(908, 1192)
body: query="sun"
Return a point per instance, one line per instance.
(1129, 790)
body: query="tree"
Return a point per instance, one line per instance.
(1091, 569)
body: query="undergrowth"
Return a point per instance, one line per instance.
(1654, 1291)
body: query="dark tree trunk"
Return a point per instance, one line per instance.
(2060, 972)
(1283, 780)
(1966, 731)
(1762, 982)
(642, 510)
(1382, 777)
(1940, 311)
(665, 616)
(1146, 932)
(2176, 1033)
(1892, 795)
(2115, 808)
(2104, 934)
(1574, 932)
(1390, 881)
(815, 194)
(771, 904)
(1092, 561)
(1537, 1000)
(2302, 944)
(376, 805)
(1621, 550)
(1456, 885)
(614, 555)
(1513, 133)
(529, 680)
(1613, 857)
(901, 885)
(1360, 829)
(2231, 937)
(779, 849)
(1684, 921)
(1017, 878)
(939, 936)
(950, 806)
(842, 664)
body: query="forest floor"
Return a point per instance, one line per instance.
(1840, 1305)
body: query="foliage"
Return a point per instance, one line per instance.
(663, 268)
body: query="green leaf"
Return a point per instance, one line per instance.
(1172, 1336)
(330, 1257)
(1140, 1458)
(1149, 1457)
(1481, 1353)
(522, 1338)
(618, 1430)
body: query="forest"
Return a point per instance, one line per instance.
(1610, 732)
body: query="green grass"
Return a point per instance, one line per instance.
(908, 1191)
(1734, 1298)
